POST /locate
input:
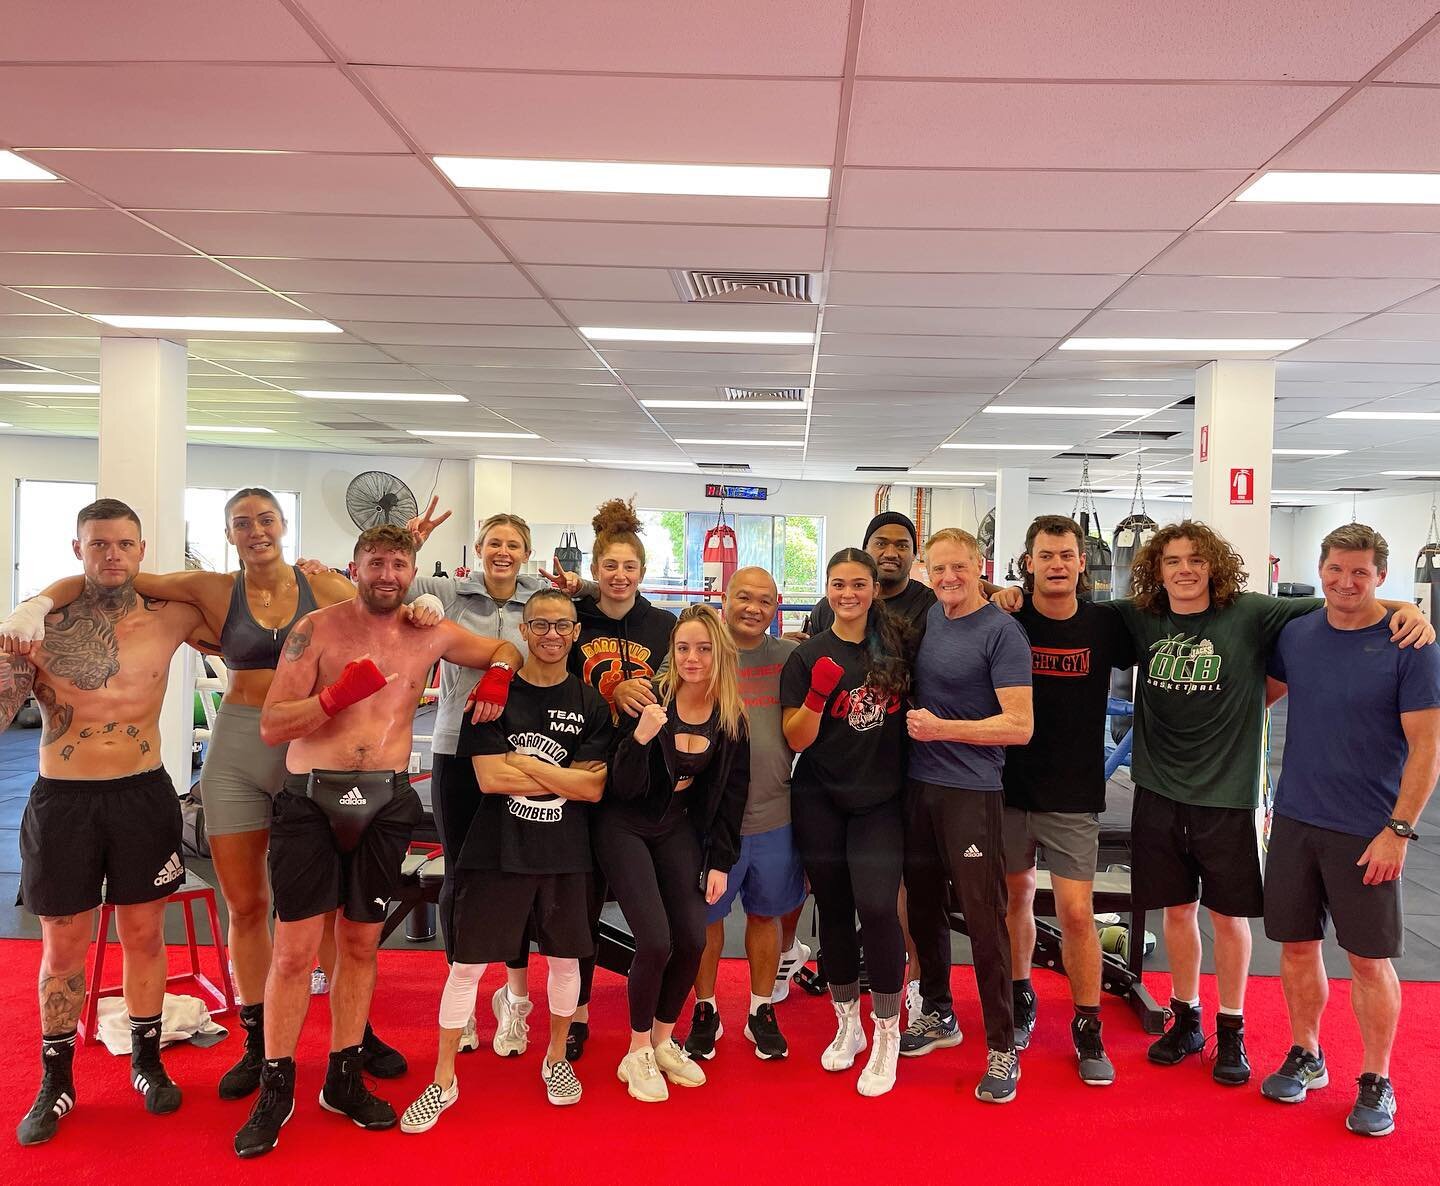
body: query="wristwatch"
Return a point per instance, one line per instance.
(1401, 828)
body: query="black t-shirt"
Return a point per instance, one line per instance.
(911, 605)
(562, 724)
(858, 757)
(1063, 767)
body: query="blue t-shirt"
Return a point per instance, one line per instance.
(1344, 747)
(962, 661)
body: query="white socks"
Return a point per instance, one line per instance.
(756, 1002)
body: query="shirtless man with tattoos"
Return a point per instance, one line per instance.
(344, 696)
(103, 808)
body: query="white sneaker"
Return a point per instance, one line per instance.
(878, 1077)
(561, 1085)
(914, 1003)
(469, 1039)
(512, 1032)
(790, 962)
(642, 1077)
(425, 1111)
(849, 1038)
(677, 1065)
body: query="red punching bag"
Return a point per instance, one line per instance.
(721, 555)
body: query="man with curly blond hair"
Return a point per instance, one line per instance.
(1203, 644)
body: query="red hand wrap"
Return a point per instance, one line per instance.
(823, 677)
(361, 678)
(494, 686)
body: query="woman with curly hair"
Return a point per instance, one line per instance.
(1203, 643)
(841, 693)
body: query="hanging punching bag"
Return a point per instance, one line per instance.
(1427, 572)
(985, 537)
(1097, 559)
(1131, 534)
(720, 557)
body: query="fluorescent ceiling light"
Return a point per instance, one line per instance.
(6, 424)
(1372, 189)
(1184, 345)
(1309, 452)
(15, 168)
(798, 405)
(511, 457)
(518, 436)
(642, 464)
(732, 441)
(1383, 416)
(223, 428)
(1411, 473)
(741, 337)
(52, 388)
(249, 325)
(399, 397)
(627, 177)
(1018, 410)
(1013, 448)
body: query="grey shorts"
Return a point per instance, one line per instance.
(1071, 840)
(241, 775)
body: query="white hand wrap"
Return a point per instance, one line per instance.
(26, 624)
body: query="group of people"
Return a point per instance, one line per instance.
(907, 756)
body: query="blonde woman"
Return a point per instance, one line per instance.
(667, 834)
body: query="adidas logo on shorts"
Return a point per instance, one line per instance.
(352, 798)
(972, 851)
(173, 870)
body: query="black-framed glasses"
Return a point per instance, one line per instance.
(564, 627)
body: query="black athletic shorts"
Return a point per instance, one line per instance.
(309, 875)
(492, 913)
(1181, 851)
(80, 833)
(1310, 873)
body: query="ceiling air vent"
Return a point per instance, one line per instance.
(1129, 434)
(740, 394)
(353, 425)
(399, 441)
(741, 466)
(760, 288)
(882, 469)
(1092, 454)
(12, 364)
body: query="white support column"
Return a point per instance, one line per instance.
(491, 493)
(1234, 436)
(142, 462)
(1012, 519)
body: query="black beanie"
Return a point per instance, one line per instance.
(885, 519)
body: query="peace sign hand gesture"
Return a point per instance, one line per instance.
(422, 525)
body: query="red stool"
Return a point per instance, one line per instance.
(218, 1000)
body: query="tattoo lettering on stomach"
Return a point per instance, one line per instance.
(112, 734)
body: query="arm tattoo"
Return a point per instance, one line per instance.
(57, 716)
(298, 641)
(61, 997)
(17, 678)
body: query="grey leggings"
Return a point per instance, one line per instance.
(241, 775)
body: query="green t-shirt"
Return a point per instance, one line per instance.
(1200, 697)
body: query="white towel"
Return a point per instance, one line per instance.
(182, 1019)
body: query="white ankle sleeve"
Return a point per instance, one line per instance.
(562, 986)
(457, 1001)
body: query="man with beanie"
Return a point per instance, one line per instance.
(890, 538)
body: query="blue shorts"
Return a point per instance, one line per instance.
(768, 877)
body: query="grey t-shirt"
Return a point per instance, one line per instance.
(468, 603)
(768, 806)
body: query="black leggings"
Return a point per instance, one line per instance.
(654, 871)
(853, 860)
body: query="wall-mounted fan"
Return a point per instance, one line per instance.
(375, 498)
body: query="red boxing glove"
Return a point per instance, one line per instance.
(361, 678)
(823, 677)
(494, 686)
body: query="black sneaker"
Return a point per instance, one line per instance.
(162, 1095)
(1232, 1067)
(1374, 1112)
(1300, 1073)
(764, 1031)
(55, 1099)
(381, 1059)
(1095, 1066)
(1001, 1078)
(244, 1077)
(705, 1031)
(575, 1040)
(1024, 1017)
(275, 1106)
(1182, 1039)
(346, 1093)
(930, 1031)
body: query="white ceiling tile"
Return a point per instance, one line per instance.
(283, 182)
(1030, 199)
(227, 349)
(702, 37)
(1396, 327)
(604, 284)
(1421, 62)
(65, 336)
(18, 302)
(1263, 294)
(190, 105)
(676, 314)
(1319, 216)
(505, 369)
(411, 333)
(501, 204)
(1381, 128)
(1222, 39)
(1135, 323)
(976, 290)
(1347, 350)
(974, 372)
(80, 230)
(401, 279)
(883, 319)
(996, 251)
(71, 270)
(668, 246)
(159, 302)
(318, 236)
(355, 376)
(881, 383)
(1311, 370)
(1275, 253)
(480, 356)
(1057, 126)
(53, 194)
(435, 310)
(915, 347)
(714, 120)
(713, 361)
(1426, 302)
